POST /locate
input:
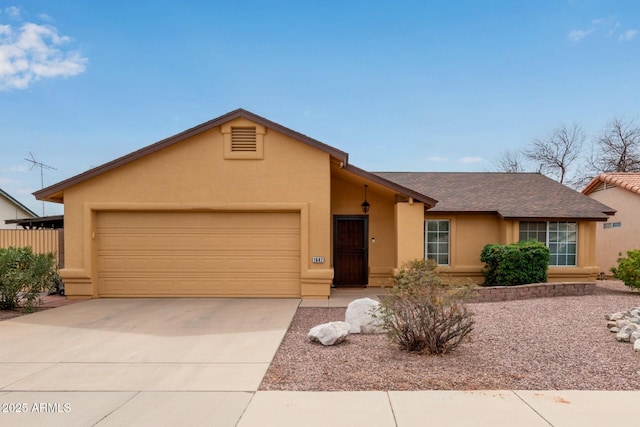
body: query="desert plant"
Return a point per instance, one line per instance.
(628, 269)
(23, 277)
(424, 314)
(515, 264)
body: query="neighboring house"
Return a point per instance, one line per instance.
(242, 206)
(11, 209)
(620, 190)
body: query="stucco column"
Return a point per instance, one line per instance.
(409, 223)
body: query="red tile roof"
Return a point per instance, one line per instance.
(509, 195)
(627, 180)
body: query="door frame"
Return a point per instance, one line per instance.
(365, 220)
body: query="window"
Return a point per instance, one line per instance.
(560, 237)
(437, 241)
(612, 225)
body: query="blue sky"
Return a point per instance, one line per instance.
(399, 85)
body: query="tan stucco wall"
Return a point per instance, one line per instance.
(612, 241)
(409, 224)
(470, 233)
(193, 175)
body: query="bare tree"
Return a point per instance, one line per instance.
(618, 148)
(556, 152)
(510, 161)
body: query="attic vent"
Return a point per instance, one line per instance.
(603, 186)
(243, 139)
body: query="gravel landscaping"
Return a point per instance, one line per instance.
(535, 344)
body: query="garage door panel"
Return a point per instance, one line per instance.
(185, 264)
(222, 286)
(198, 254)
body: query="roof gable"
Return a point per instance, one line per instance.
(55, 192)
(509, 195)
(16, 203)
(629, 181)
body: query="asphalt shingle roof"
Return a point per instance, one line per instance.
(510, 195)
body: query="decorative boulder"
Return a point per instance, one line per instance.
(360, 316)
(329, 333)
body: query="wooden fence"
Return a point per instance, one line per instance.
(41, 241)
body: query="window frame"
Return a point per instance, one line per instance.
(610, 225)
(559, 244)
(438, 243)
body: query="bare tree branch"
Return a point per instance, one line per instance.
(617, 149)
(556, 152)
(510, 161)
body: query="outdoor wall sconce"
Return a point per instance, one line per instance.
(365, 205)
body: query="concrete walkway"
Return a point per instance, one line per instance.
(199, 362)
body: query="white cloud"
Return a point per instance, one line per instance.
(577, 35)
(436, 159)
(19, 168)
(46, 17)
(33, 52)
(628, 35)
(12, 12)
(471, 159)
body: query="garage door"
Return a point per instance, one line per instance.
(198, 254)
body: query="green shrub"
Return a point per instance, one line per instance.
(515, 264)
(628, 269)
(424, 314)
(23, 277)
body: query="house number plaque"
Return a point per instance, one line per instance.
(317, 259)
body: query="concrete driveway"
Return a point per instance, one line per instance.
(139, 361)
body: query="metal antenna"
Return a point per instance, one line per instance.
(42, 166)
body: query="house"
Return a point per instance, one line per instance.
(11, 209)
(242, 206)
(475, 209)
(621, 190)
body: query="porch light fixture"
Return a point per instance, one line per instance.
(365, 205)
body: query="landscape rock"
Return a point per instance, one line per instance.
(622, 323)
(615, 316)
(625, 333)
(329, 333)
(626, 325)
(360, 315)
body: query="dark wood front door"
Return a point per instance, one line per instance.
(350, 250)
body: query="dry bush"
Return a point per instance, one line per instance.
(424, 314)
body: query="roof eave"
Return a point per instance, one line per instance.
(553, 218)
(428, 201)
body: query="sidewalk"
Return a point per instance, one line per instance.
(440, 408)
(309, 409)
